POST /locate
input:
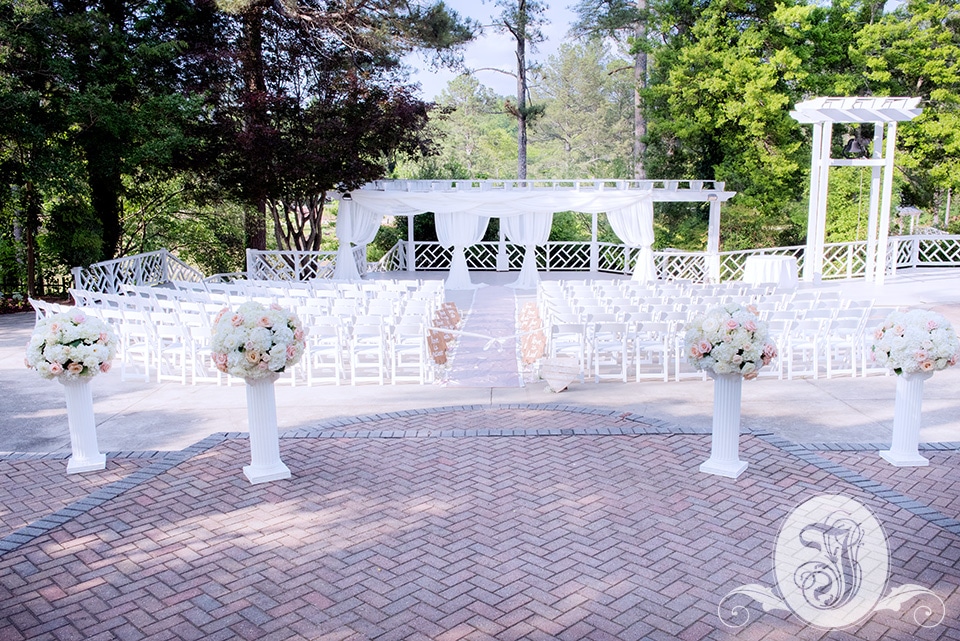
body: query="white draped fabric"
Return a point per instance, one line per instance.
(634, 226)
(462, 217)
(460, 231)
(528, 230)
(356, 225)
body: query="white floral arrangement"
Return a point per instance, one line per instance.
(71, 345)
(915, 341)
(729, 339)
(257, 341)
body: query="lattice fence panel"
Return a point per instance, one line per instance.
(433, 256)
(482, 256)
(944, 251)
(681, 266)
(613, 258)
(566, 256)
(844, 260)
(140, 269)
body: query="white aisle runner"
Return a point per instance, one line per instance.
(478, 361)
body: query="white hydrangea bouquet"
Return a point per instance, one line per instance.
(71, 345)
(257, 341)
(915, 341)
(729, 339)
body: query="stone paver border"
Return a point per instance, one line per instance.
(339, 428)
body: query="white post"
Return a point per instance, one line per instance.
(821, 229)
(503, 263)
(83, 427)
(884, 231)
(903, 451)
(713, 242)
(725, 440)
(265, 464)
(594, 249)
(411, 246)
(815, 162)
(874, 211)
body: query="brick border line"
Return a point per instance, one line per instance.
(333, 428)
(942, 446)
(62, 456)
(165, 461)
(867, 485)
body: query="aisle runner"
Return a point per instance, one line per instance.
(493, 313)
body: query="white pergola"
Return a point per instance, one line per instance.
(511, 200)
(822, 113)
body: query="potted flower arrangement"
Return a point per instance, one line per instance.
(730, 344)
(72, 348)
(913, 344)
(257, 343)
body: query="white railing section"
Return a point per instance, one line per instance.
(840, 260)
(152, 268)
(298, 265)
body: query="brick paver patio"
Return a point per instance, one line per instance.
(505, 523)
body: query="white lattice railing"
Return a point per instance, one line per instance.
(151, 268)
(298, 265)
(840, 260)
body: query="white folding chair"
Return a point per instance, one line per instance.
(324, 350)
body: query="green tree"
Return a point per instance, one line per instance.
(915, 51)
(587, 121)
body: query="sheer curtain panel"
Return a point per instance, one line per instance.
(634, 226)
(528, 230)
(356, 225)
(460, 230)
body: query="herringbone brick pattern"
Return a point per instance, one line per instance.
(31, 489)
(937, 485)
(529, 537)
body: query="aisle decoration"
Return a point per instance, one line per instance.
(258, 343)
(913, 345)
(730, 344)
(73, 347)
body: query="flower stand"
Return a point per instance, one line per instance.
(725, 444)
(265, 464)
(83, 427)
(906, 421)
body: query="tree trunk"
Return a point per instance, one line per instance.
(255, 221)
(32, 209)
(522, 93)
(640, 83)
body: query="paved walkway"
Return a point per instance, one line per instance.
(432, 513)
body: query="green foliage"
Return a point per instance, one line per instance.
(74, 235)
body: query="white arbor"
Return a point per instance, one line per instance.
(822, 113)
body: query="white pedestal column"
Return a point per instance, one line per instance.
(83, 427)
(725, 444)
(265, 464)
(906, 422)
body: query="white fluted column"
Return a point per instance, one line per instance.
(903, 450)
(265, 464)
(725, 443)
(83, 427)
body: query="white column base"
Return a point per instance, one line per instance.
(265, 464)
(900, 460)
(725, 441)
(903, 450)
(86, 455)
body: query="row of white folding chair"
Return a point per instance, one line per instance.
(368, 345)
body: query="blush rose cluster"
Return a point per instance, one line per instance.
(915, 341)
(729, 339)
(71, 345)
(257, 341)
